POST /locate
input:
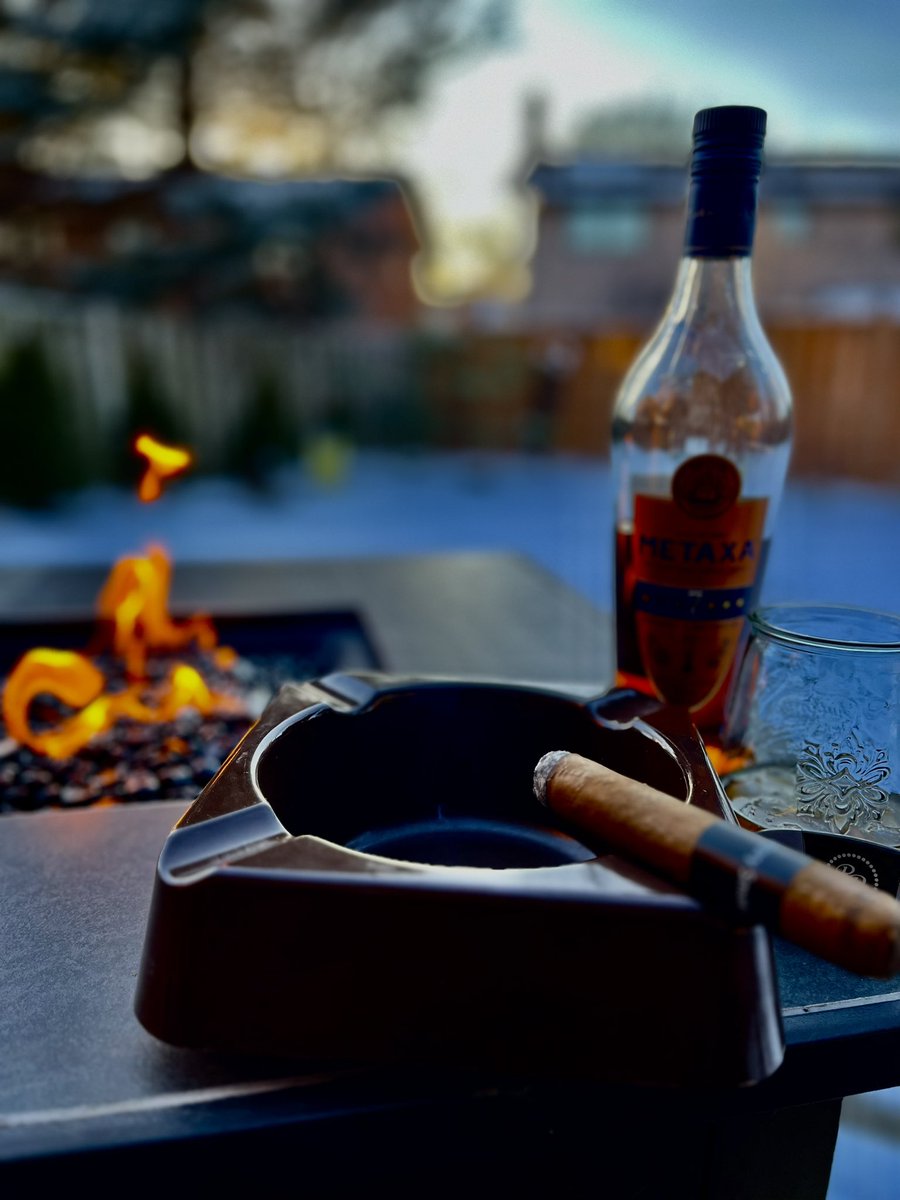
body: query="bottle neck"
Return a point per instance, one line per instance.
(718, 289)
(721, 212)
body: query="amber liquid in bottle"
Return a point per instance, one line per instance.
(700, 446)
(630, 669)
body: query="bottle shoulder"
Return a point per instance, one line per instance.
(719, 382)
(677, 351)
(709, 344)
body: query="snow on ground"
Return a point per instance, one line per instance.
(834, 542)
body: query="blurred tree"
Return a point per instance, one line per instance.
(264, 438)
(325, 76)
(111, 79)
(84, 62)
(42, 455)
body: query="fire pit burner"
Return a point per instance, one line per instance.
(172, 760)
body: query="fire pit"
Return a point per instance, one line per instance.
(139, 704)
(173, 759)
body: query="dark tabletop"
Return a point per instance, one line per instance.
(77, 1070)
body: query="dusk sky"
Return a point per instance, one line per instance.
(831, 66)
(827, 73)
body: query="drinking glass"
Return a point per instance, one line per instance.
(812, 732)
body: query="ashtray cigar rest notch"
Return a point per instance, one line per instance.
(369, 879)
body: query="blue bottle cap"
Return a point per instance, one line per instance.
(730, 122)
(730, 137)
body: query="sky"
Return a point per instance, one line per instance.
(825, 71)
(833, 64)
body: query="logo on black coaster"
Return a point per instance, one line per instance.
(856, 866)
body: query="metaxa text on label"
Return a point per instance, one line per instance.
(672, 550)
(695, 558)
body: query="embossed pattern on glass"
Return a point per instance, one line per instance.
(814, 720)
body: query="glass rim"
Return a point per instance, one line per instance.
(769, 619)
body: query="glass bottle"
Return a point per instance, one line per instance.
(701, 439)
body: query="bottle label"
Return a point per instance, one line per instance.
(695, 559)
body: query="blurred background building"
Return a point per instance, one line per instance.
(260, 226)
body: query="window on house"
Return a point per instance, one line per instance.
(792, 221)
(614, 229)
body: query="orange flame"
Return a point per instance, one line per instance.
(75, 680)
(71, 677)
(135, 598)
(162, 463)
(134, 604)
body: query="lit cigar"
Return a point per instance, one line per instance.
(739, 873)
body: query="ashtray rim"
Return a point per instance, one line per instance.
(353, 957)
(232, 824)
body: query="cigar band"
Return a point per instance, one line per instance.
(734, 869)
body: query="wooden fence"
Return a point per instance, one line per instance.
(497, 391)
(845, 382)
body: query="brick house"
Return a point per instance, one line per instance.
(190, 241)
(610, 233)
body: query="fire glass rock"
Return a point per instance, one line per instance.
(132, 762)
